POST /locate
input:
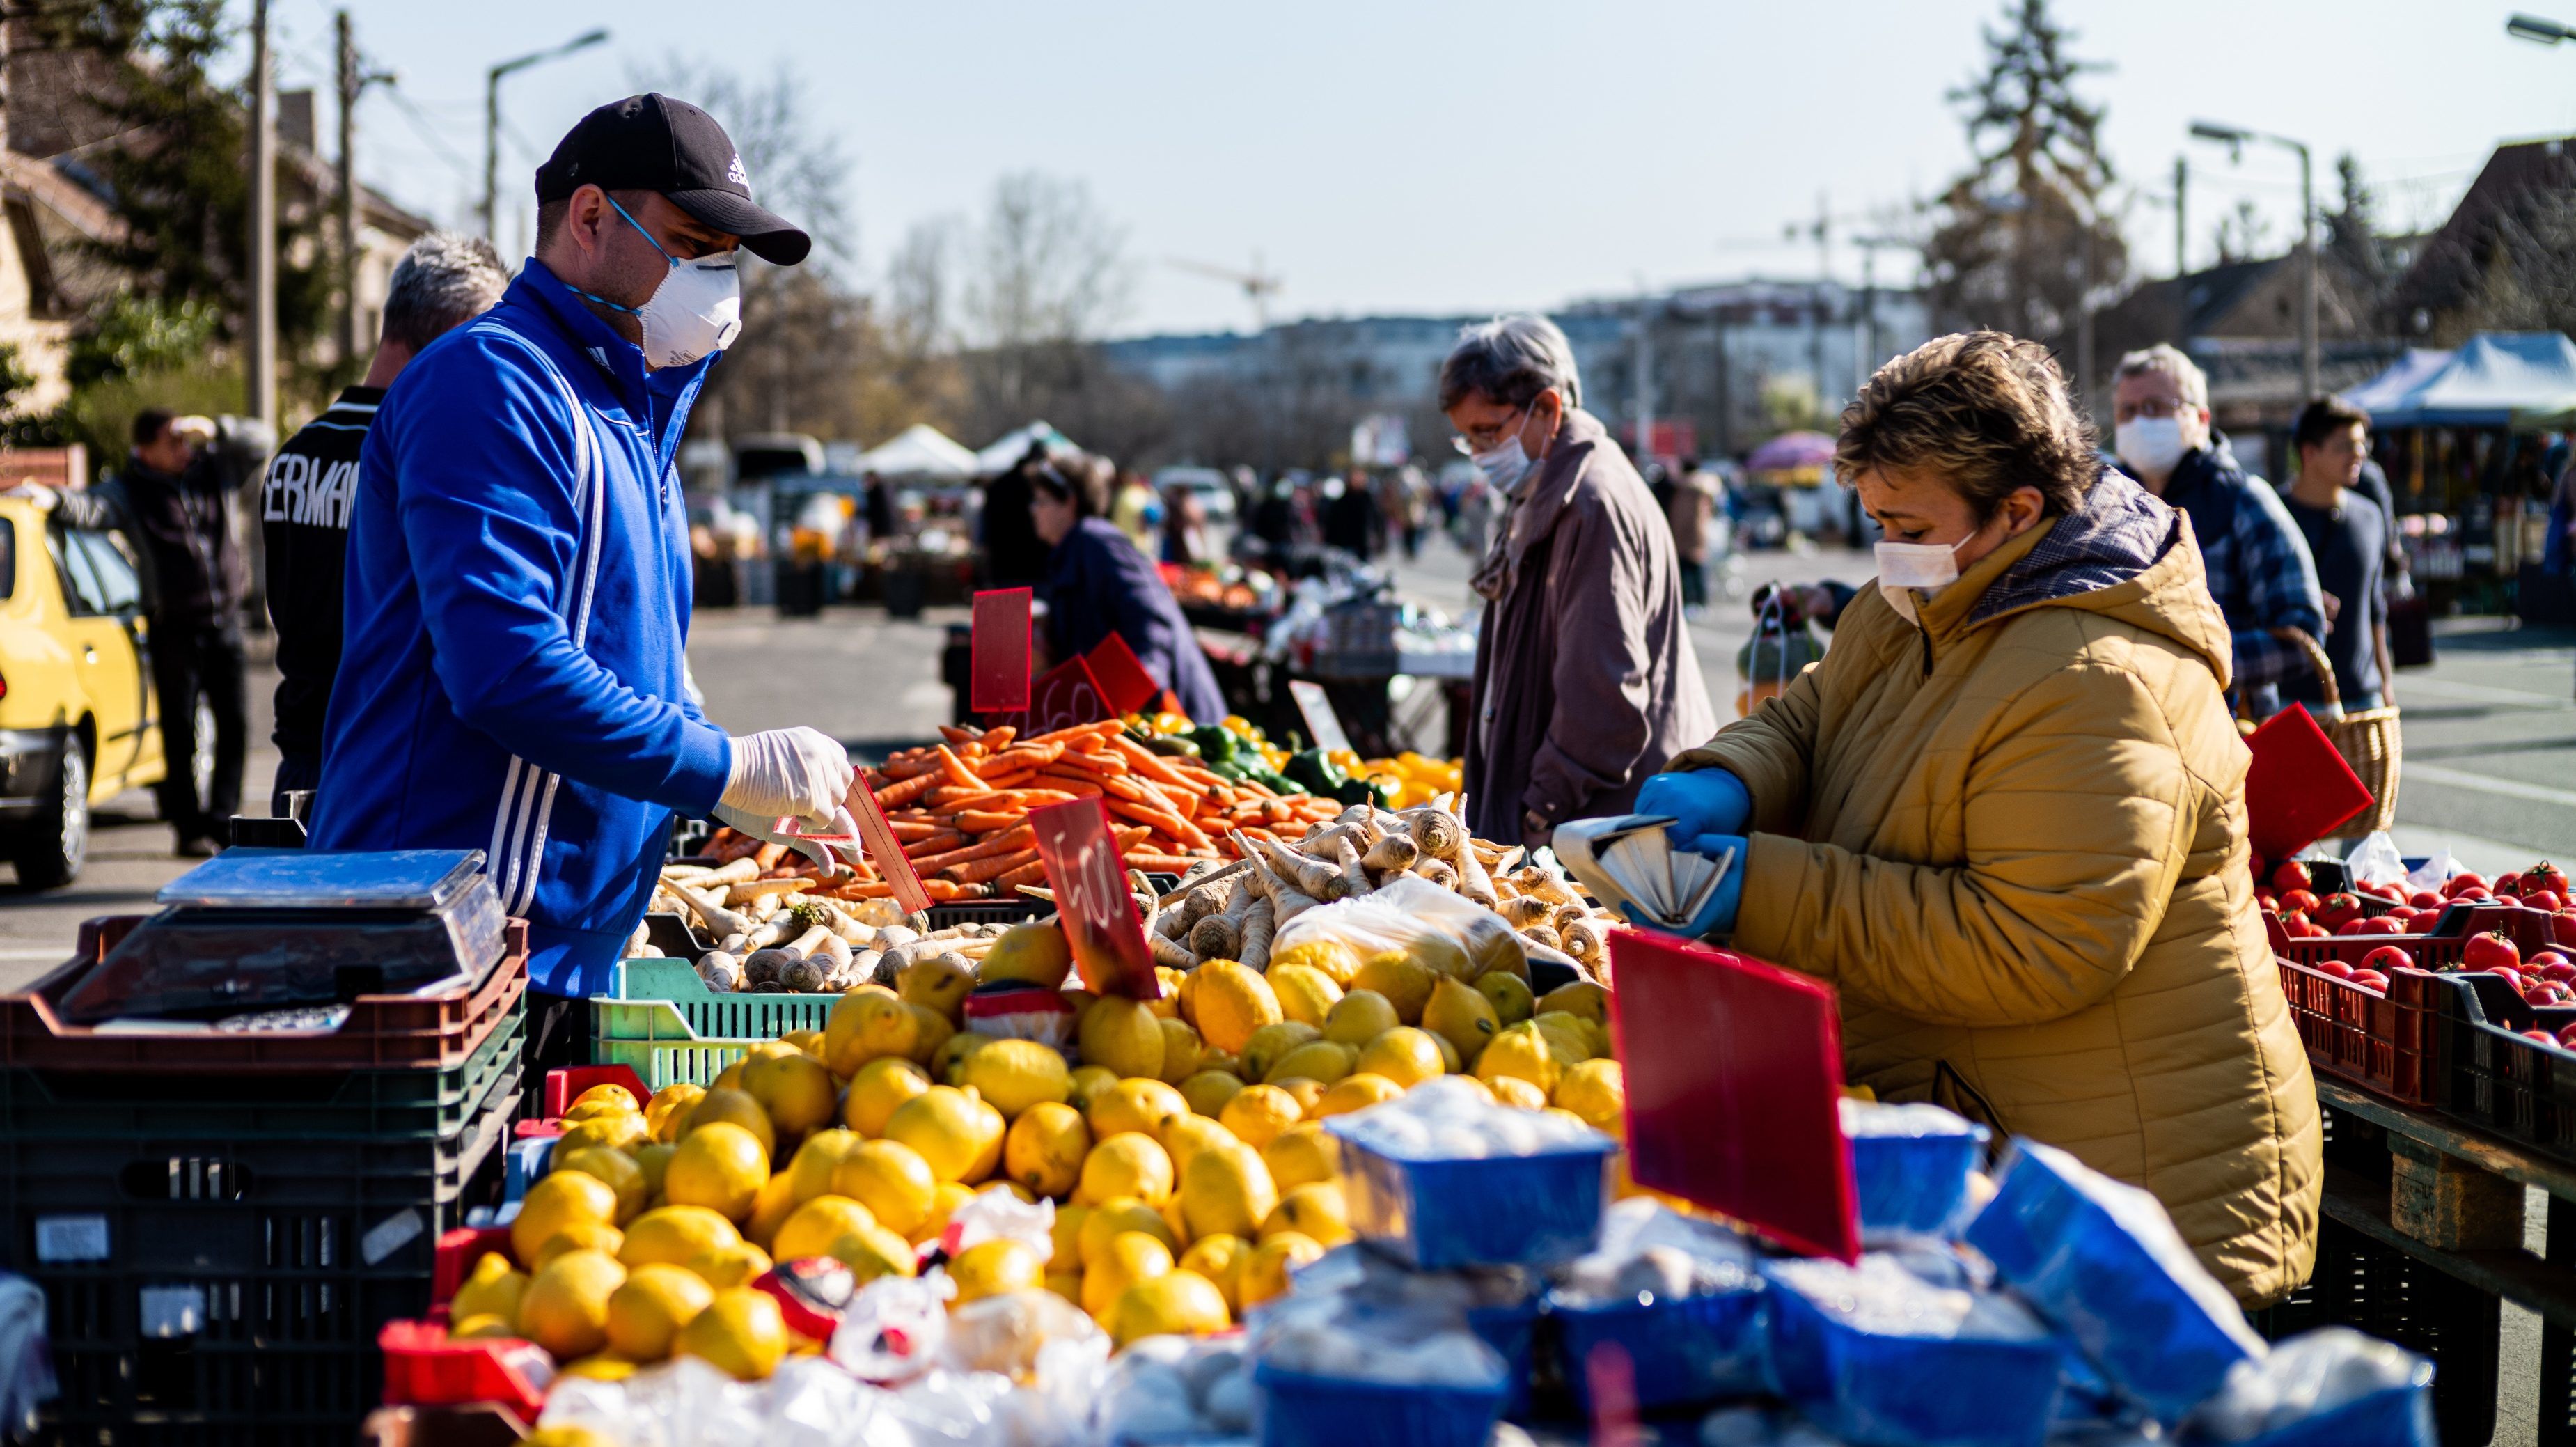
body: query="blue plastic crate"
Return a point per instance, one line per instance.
(1885, 1390)
(1914, 1181)
(1680, 1351)
(2101, 1261)
(1298, 1410)
(2397, 1417)
(1534, 1210)
(1512, 1331)
(524, 1165)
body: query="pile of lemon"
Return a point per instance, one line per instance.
(1418, 778)
(1187, 1150)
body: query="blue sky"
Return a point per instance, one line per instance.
(1434, 157)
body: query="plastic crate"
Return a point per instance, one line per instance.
(238, 1302)
(454, 1255)
(1440, 1215)
(565, 1084)
(1866, 1387)
(2397, 1044)
(1512, 1331)
(1014, 910)
(665, 1000)
(383, 1032)
(425, 1369)
(2384, 1292)
(1298, 1410)
(2506, 1081)
(672, 1062)
(1693, 1349)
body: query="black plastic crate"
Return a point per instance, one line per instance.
(2505, 1081)
(2382, 1291)
(988, 911)
(241, 1305)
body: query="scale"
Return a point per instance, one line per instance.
(256, 930)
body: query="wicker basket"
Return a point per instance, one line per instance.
(2368, 739)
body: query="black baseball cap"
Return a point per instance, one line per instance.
(651, 142)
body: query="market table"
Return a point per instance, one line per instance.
(2407, 1189)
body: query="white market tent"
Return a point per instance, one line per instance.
(2495, 380)
(920, 450)
(1014, 445)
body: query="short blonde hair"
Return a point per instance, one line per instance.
(1985, 411)
(2169, 359)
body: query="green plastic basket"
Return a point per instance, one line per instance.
(664, 1000)
(672, 1062)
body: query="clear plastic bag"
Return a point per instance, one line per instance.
(894, 1329)
(1036, 1338)
(1167, 1389)
(1649, 1249)
(1446, 933)
(2329, 1386)
(2375, 860)
(996, 1215)
(682, 1403)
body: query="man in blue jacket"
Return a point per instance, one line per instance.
(518, 574)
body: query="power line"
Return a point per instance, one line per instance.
(423, 127)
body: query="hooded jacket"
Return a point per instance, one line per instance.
(2013, 838)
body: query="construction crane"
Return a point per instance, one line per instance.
(1258, 285)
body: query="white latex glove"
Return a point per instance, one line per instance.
(38, 493)
(798, 771)
(764, 827)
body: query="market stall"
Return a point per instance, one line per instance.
(930, 556)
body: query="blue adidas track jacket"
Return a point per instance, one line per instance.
(516, 614)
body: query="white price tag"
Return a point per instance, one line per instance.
(71, 1238)
(1322, 724)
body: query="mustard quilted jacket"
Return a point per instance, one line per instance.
(2014, 840)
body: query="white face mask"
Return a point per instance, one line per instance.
(1905, 567)
(2150, 445)
(696, 310)
(1507, 462)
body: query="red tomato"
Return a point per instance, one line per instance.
(2549, 992)
(2567, 1036)
(2386, 958)
(2290, 875)
(2548, 899)
(2459, 882)
(2560, 970)
(2300, 901)
(2349, 927)
(2543, 1036)
(2543, 958)
(2371, 980)
(2473, 892)
(2386, 924)
(2336, 968)
(2490, 951)
(2424, 899)
(2337, 908)
(2506, 885)
(2549, 877)
(2268, 900)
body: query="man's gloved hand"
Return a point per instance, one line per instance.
(1703, 801)
(44, 497)
(764, 827)
(797, 773)
(1716, 917)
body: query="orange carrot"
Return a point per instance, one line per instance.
(1080, 786)
(1010, 842)
(961, 736)
(1145, 761)
(984, 869)
(911, 829)
(957, 771)
(986, 821)
(939, 843)
(1170, 823)
(907, 766)
(949, 798)
(996, 740)
(1175, 863)
(1032, 755)
(895, 796)
(1025, 874)
(939, 890)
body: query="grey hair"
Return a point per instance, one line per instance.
(445, 280)
(1510, 361)
(2165, 357)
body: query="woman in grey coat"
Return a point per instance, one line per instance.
(1585, 679)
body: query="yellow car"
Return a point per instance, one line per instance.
(77, 720)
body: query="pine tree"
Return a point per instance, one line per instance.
(2007, 250)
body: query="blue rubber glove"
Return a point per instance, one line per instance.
(1716, 917)
(1703, 801)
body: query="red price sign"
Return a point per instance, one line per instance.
(1124, 684)
(1066, 697)
(1090, 881)
(885, 849)
(1000, 651)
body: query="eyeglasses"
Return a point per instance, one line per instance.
(1486, 439)
(2158, 408)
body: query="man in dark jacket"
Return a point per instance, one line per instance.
(173, 501)
(444, 280)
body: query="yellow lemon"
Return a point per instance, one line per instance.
(1125, 1036)
(1481, 1088)
(1305, 993)
(938, 982)
(816, 1225)
(1301, 1155)
(874, 1251)
(563, 1199)
(1130, 1257)
(1597, 1093)
(564, 1434)
(1143, 1106)
(1178, 1219)
(1220, 1259)
(1462, 1016)
(1187, 1135)
(603, 1367)
(739, 1264)
(740, 1333)
(1227, 1190)
(654, 1161)
(646, 1312)
(1045, 1148)
(1129, 1164)
(671, 1235)
(729, 1078)
(480, 1326)
(943, 1204)
(1509, 994)
(1568, 1037)
(1585, 998)
(808, 1042)
(1013, 1075)
(1360, 1017)
(1167, 1005)
(1316, 1211)
(1305, 1090)
(1066, 1234)
(795, 1091)
(621, 1131)
(1089, 1081)
(1032, 954)
(1406, 1055)
(892, 1180)
(948, 1067)
(617, 1168)
(1519, 1052)
(771, 1205)
(670, 1107)
(1324, 1060)
(1181, 1051)
(1356, 1092)
(1331, 958)
(877, 1089)
(610, 1093)
(1232, 1002)
(579, 1236)
(1513, 1091)
(1209, 1090)
(1269, 1043)
(565, 1308)
(1110, 1220)
(1265, 1271)
(1258, 1113)
(719, 1166)
(931, 1033)
(735, 1108)
(1174, 1303)
(869, 1023)
(493, 1288)
(1066, 1284)
(991, 1268)
(822, 1153)
(953, 1130)
(1402, 978)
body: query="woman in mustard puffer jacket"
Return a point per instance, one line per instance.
(2005, 816)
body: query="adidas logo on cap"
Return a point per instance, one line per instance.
(736, 174)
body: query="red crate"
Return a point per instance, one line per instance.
(564, 1086)
(424, 1368)
(383, 1032)
(457, 1251)
(2394, 1044)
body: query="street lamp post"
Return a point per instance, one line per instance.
(2235, 137)
(2534, 28)
(492, 120)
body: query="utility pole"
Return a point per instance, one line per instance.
(261, 400)
(492, 121)
(349, 83)
(2182, 228)
(2311, 362)
(1644, 361)
(1816, 299)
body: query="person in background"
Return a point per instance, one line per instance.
(1352, 521)
(1185, 531)
(1137, 509)
(2258, 565)
(444, 280)
(1585, 678)
(173, 500)
(2347, 535)
(1400, 500)
(878, 507)
(1014, 555)
(1097, 583)
(2005, 817)
(1691, 508)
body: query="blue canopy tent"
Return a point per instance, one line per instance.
(2498, 379)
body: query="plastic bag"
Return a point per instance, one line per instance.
(26, 1366)
(1036, 1338)
(812, 1403)
(1168, 1388)
(1648, 1249)
(2329, 1386)
(1447, 933)
(682, 1403)
(996, 1215)
(2375, 860)
(894, 1328)
(2103, 1261)
(1346, 1337)
(2434, 873)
